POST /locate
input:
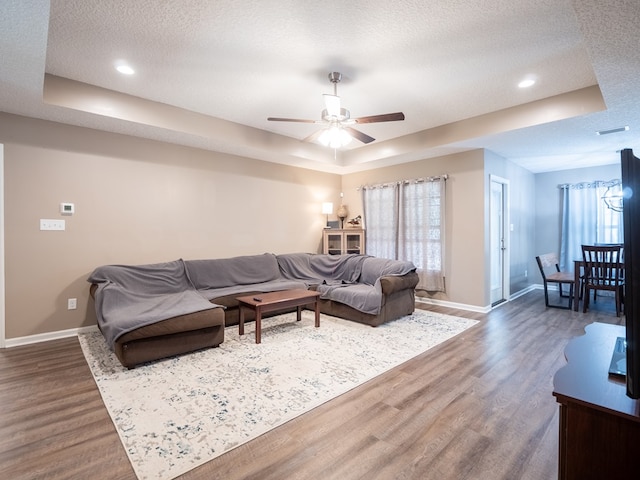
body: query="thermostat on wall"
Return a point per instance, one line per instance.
(67, 208)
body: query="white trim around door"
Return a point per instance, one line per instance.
(2, 311)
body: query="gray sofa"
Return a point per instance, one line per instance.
(148, 312)
(221, 281)
(360, 288)
(355, 287)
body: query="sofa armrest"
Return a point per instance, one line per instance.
(394, 283)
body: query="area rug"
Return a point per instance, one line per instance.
(176, 414)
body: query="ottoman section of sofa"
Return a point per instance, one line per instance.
(173, 336)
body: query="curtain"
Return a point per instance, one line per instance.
(381, 209)
(405, 221)
(588, 218)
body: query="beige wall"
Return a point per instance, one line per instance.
(465, 217)
(139, 201)
(136, 201)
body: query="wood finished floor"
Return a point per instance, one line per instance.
(476, 407)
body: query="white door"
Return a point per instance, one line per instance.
(499, 238)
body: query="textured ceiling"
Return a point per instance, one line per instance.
(230, 64)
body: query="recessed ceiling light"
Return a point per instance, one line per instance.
(613, 130)
(526, 83)
(125, 69)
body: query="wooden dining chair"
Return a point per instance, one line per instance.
(550, 271)
(603, 271)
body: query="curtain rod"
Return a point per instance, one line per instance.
(435, 178)
(593, 184)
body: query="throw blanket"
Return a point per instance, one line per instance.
(350, 279)
(321, 269)
(366, 295)
(129, 297)
(227, 272)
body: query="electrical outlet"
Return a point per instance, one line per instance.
(72, 304)
(525, 274)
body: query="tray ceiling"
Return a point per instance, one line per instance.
(208, 74)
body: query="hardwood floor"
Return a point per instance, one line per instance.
(476, 407)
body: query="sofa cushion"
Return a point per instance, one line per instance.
(321, 268)
(362, 297)
(373, 268)
(227, 272)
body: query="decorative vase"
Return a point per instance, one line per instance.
(342, 214)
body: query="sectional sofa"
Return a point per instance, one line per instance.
(148, 312)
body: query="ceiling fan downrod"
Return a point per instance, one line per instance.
(335, 77)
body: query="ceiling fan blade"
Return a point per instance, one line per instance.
(358, 135)
(387, 117)
(313, 137)
(300, 120)
(332, 104)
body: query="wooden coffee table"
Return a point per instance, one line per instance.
(270, 302)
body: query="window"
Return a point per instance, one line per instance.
(588, 219)
(405, 221)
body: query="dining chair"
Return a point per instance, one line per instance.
(603, 271)
(550, 271)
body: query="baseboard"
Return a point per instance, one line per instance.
(530, 288)
(461, 306)
(475, 308)
(46, 337)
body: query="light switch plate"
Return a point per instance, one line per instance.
(47, 224)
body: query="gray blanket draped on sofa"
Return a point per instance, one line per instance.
(129, 296)
(350, 279)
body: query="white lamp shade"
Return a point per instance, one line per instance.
(327, 208)
(334, 137)
(332, 104)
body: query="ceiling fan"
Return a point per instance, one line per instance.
(337, 120)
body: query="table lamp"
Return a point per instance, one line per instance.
(327, 208)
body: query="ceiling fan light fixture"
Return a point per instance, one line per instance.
(338, 131)
(334, 137)
(341, 116)
(332, 102)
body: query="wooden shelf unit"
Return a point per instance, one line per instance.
(342, 241)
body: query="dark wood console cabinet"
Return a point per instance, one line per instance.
(599, 424)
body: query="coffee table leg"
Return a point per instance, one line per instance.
(258, 325)
(241, 321)
(317, 309)
(299, 312)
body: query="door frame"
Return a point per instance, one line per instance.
(506, 266)
(2, 303)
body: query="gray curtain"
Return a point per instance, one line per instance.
(587, 219)
(405, 221)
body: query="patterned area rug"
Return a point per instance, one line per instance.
(176, 414)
